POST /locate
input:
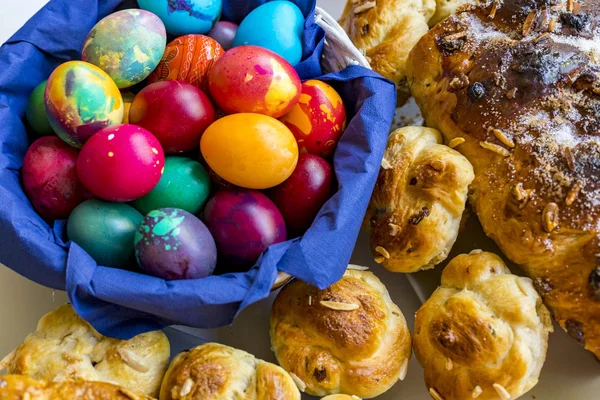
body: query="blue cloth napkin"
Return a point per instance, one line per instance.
(121, 303)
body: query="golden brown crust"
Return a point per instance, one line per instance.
(418, 201)
(214, 371)
(65, 347)
(483, 333)
(523, 90)
(386, 30)
(350, 338)
(18, 387)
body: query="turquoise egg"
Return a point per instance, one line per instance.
(263, 27)
(105, 230)
(36, 111)
(184, 17)
(127, 45)
(184, 185)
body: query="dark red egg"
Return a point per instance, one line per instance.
(302, 195)
(50, 178)
(177, 113)
(243, 223)
(121, 163)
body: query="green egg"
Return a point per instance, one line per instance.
(36, 112)
(105, 230)
(184, 184)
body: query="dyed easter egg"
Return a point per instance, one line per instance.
(121, 163)
(250, 150)
(105, 230)
(302, 195)
(177, 113)
(243, 223)
(127, 45)
(188, 59)
(318, 120)
(182, 17)
(184, 184)
(36, 111)
(174, 244)
(81, 99)
(253, 79)
(263, 27)
(224, 33)
(50, 178)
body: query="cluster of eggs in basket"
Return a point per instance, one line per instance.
(131, 116)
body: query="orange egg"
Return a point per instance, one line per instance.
(253, 151)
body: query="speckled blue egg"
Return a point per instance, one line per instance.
(184, 17)
(263, 27)
(127, 45)
(173, 244)
(105, 230)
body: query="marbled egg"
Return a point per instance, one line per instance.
(243, 223)
(250, 150)
(105, 230)
(251, 79)
(188, 59)
(121, 163)
(36, 111)
(184, 184)
(127, 45)
(81, 99)
(50, 178)
(173, 244)
(318, 120)
(264, 27)
(182, 17)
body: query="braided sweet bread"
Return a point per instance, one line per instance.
(65, 347)
(519, 82)
(19, 387)
(418, 201)
(350, 338)
(483, 333)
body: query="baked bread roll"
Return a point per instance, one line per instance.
(386, 30)
(520, 83)
(418, 201)
(65, 347)
(483, 334)
(19, 387)
(340, 397)
(350, 338)
(213, 371)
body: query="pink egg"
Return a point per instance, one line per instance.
(50, 178)
(121, 163)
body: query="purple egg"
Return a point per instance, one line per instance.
(224, 33)
(244, 223)
(173, 244)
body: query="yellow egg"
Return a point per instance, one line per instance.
(253, 151)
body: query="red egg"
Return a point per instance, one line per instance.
(121, 163)
(318, 120)
(251, 79)
(302, 195)
(50, 178)
(177, 113)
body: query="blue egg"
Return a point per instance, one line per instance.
(184, 17)
(263, 27)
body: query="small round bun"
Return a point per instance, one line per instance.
(65, 347)
(19, 387)
(418, 201)
(483, 334)
(340, 397)
(349, 339)
(213, 371)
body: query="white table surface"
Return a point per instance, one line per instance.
(23, 302)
